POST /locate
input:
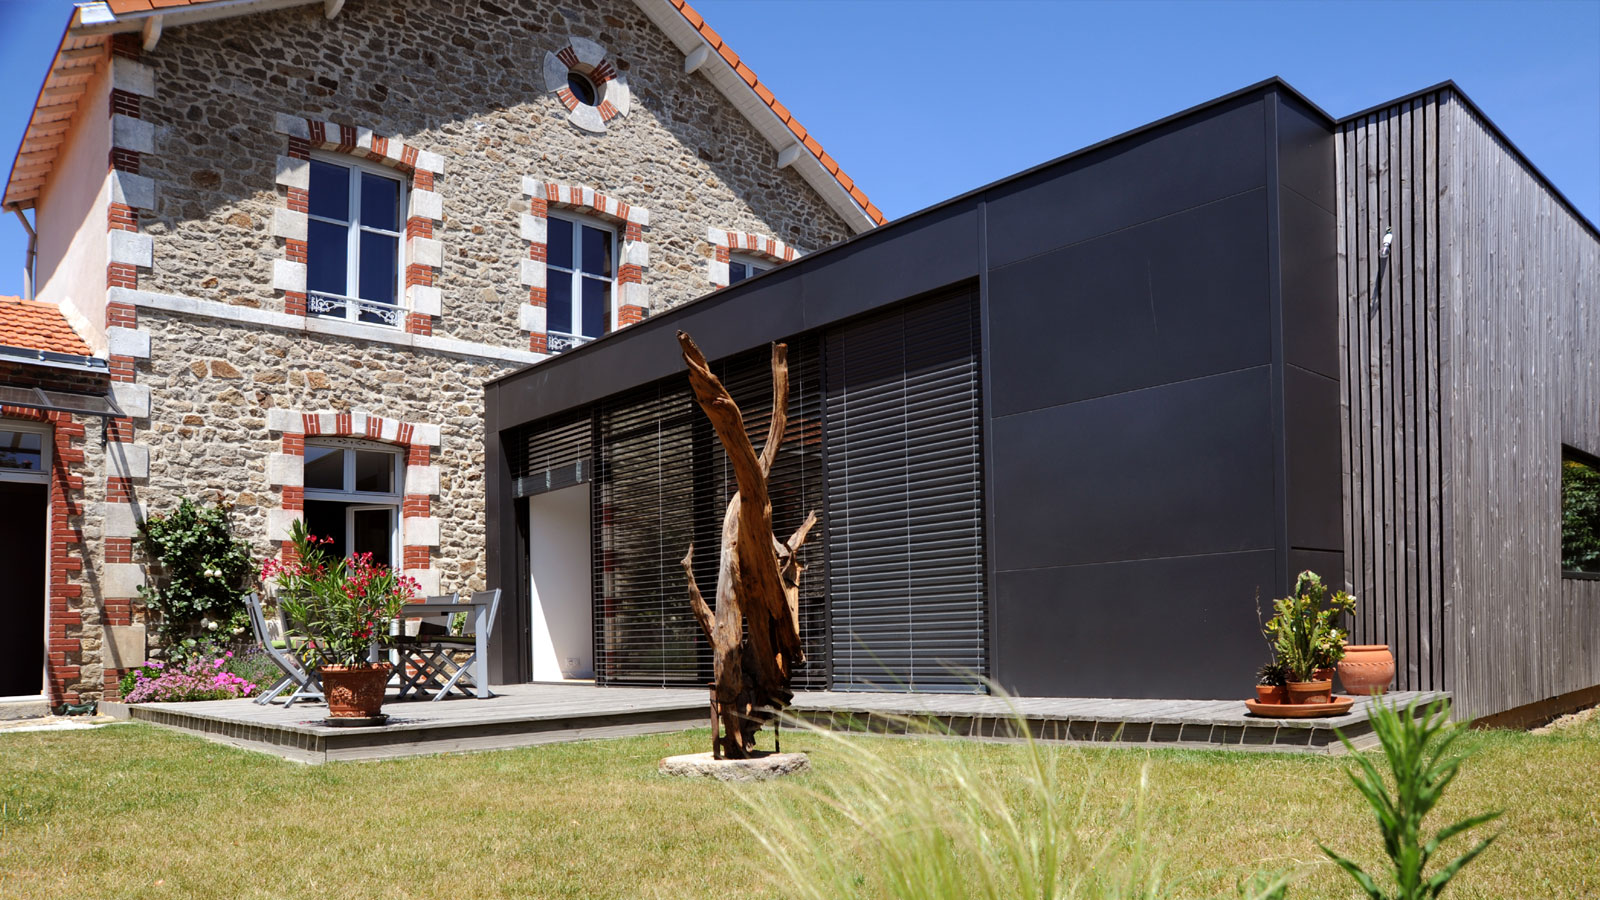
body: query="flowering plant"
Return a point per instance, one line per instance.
(340, 606)
(196, 679)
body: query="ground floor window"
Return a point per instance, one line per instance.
(1580, 514)
(353, 493)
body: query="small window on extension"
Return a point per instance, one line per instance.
(1580, 514)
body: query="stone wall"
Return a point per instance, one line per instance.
(213, 384)
(461, 79)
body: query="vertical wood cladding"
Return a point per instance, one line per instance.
(1469, 360)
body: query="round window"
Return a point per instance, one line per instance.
(582, 88)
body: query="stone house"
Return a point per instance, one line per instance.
(324, 224)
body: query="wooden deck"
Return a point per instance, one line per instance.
(527, 714)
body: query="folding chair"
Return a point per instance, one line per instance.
(304, 679)
(435, 654)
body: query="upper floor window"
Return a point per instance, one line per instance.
(353, 265)
(1580, 514)
(580, 280)
(741, 267)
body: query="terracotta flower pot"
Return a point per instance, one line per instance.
(1323, 674)
(354, 692)
(1310, 692)
(1271, 693)
(1366, 669)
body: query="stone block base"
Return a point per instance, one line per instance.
(764, 767)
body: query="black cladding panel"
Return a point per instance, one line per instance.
(1182, 628)
(1213, 155)
(1311, 437)
(1310, 285)
(1174, 470)
(1178, 298)
(1305, 153)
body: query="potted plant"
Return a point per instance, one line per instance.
(1306, 638)
(1270, 683)
(339, 607)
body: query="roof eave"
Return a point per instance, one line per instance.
(744, 98)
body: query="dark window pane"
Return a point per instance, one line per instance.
(581, 88)
(327, 253)
(21, 450)
(324, 468)
(737, 272)
(596, 307)
(330, 191)
(326, 519)
(380, 267)
(1580, 516)
(374, 471)
(558, 246)
(596, 251)
(380, 202)
(558, 302)
(372, 531)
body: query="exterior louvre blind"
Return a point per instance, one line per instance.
(663, 481)
(553, 455)
(905, 504)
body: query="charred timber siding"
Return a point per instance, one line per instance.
(1470, 359)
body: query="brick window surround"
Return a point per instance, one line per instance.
(419, 528)
(424, 254)
(632, 294)
(584, 57)
(725, 243)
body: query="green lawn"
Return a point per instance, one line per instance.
(131, 811)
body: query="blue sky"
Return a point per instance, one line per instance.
(921, 100)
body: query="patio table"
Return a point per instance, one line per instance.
(479, 609)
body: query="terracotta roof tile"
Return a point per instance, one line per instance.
(34, 325)
(711, 37)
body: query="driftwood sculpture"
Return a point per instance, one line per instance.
(755, 631)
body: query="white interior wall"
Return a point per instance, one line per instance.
(558, 535)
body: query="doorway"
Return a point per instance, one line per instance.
(561, 580)
(24, 549)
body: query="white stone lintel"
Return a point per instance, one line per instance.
(285, 421)
(531, 318)
(128, 342)
(128, 133)
(535, 229)
(286, 470)
(130, 248)
(425, 434)
(132, 76)
(425, 300)
(424, 252)
(638, 215)
(531, 272)
(422, 480)
(427, 580)
(121, 519)
(422, 531)
(132, 399)
(127, 460)
(288, 224)
(121, 579)
(137, 191)
(280, 521)
(293, 126)
(295, 173)
(288, 276)
(428, 161)
(426, 204)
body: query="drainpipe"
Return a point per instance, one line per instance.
(33, 253)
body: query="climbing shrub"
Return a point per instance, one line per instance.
(201, 574)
